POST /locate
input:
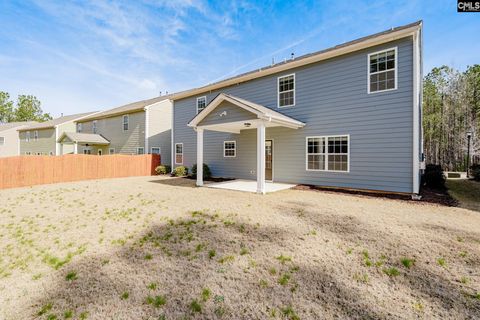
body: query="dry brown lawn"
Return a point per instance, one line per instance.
(156, 248)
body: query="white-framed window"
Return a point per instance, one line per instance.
(2, 141)
(140, 150)
(382, 70)
(201, 103)
(94, 126)
(79, 127)
(155, 150)
(178, 153)
(27, 136)
(286, 91)
(39, 153)
(125, 122)
(229, 149)
(35, 135)
(99, 152)
(87, 151)
(328, 153)
(28, 153)
(111, 151)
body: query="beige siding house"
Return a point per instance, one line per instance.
(9, 141)
(41, 138)
(136, 128)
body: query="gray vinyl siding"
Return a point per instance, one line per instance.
(226, 111)
(45, 144)
(331, 98)
(124, 142)
(160, 129)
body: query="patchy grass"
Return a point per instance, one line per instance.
(88, 252)
(391, 272)
(157, 301)
(466, 192)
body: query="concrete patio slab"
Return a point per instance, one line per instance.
(249, 185)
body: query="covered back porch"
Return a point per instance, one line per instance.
(77, 139)
(230, 114)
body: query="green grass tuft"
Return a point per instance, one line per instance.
(157, 301)
(407, 263)
(124, 295)
(71, 276)
(195, 306)
(391, 272)
(206, 293)
(283, 259)
(441, 262)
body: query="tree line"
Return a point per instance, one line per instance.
(26, 108)
(451, 108)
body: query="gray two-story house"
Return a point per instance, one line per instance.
(345, 117)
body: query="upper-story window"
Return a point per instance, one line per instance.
(125, 122)
(286, 91)
(79, 127)
(201, 103)
(27, 136)
(382, 70)
(35, 135)
(94, 126)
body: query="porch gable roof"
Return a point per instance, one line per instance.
(261, 112)
(78, 137)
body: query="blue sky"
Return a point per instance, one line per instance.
(91, 55)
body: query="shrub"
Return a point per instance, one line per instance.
(207, 174)
(180, 171)
(163, 169)
(475, 172)
(434, 177)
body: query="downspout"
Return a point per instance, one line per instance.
(147, 131)
(416, 112)
(57, 145)
(172, 153)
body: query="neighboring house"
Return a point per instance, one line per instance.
(344, 117)
(41, 138)
(9, 141)
(136, 128)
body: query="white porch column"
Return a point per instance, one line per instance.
(261, 158)
(75, 148)
(199, 157)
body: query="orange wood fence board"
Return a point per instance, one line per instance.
(33, 170)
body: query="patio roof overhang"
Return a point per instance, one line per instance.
(83, 138)
(261, 115)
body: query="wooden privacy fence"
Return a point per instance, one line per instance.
(32, 170)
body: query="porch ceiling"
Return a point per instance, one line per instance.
(267, 116)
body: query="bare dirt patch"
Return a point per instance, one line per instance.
(156, 248)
